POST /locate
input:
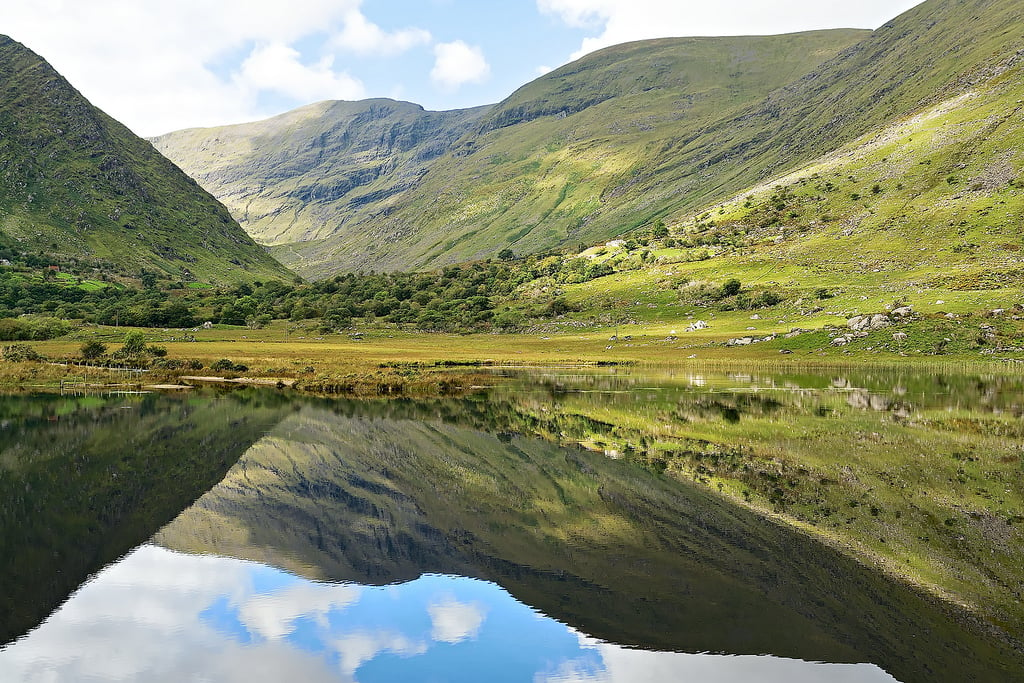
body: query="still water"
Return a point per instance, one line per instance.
(252, 537)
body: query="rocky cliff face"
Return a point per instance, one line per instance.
(311, 173)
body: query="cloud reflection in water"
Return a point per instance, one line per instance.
(159, 615)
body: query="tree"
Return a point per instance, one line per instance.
(506, 254)
(93, 349)
(134, 343)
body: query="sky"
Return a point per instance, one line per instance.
(164, 65)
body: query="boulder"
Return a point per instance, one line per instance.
(880, 321)
(877, 321)
(903, 312)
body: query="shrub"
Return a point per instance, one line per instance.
(729, 288)
(93, 349)
(19, 353)
(134, 344)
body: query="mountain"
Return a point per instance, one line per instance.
(78, 184)
(346, 186)
(626, 137)
(315, 172)
(926, 211)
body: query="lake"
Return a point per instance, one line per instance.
(563, 525)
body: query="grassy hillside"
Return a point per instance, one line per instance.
(76, 183)
(926, 212)
(384, 185)
(641, 133)
(626, 163)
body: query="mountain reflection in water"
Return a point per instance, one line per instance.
(434, 540)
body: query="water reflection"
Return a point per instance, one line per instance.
(177, 617)
(350, 523)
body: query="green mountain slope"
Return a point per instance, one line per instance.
(927, 212)
(346, 186)
(591, 185)
(76, 183)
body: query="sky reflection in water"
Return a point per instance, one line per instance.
(158, 615)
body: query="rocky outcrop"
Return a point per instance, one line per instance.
(862, 323)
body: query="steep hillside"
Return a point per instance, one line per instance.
(378, 184)
(320, 170)
(76, 183)
(626, 162)
(927, 212)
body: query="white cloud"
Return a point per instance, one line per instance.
(149, 604)
(618, 664)
(273, 616)
(158, 66)
(278, 68)
(619, 21)
(356, 649)
(455, 621)
(457, 63)
(362, 36)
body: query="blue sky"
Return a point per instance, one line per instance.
(164, 65)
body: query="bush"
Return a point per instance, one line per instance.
(19, 353)
(134, 344)
(557, 306)
(91, 350)
(224, 365)
(729, 288)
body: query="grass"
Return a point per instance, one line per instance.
(429, 362)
